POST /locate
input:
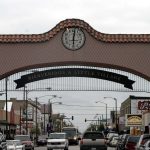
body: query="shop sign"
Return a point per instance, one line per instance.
(133, 120)
(143, 105)
(74, 72)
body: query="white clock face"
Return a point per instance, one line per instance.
(73, 38)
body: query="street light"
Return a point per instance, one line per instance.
(116, 110)
(26, 100)
(50, 106)
(6, 92)
(53, 96)
(106, 110)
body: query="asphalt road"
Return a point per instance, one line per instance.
(70, 148)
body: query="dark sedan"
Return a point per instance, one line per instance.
(41, 142)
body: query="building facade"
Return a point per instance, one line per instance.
(134, 105)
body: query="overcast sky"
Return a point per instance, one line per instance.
(107, 16)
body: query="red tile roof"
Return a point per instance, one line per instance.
(33, 38)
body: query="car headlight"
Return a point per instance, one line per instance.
(75, 138)
(18, 148)
(10, 148)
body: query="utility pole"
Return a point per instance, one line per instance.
(36, 121)
(116, 116)
(116, 120)
(20, 119)
(6, 88)
(44, 118)
(106, 111)
(26, 110)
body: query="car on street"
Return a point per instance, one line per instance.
(72, 135)
(3, 145)
(109, 135)
(57, 141)
(15, 145)
(42, 141)
(25, 139)
(122, 141)
(113, 141)
(93, 140)
(146, 146)
(131, 142)
(143, 139)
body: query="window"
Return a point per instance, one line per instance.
(93, 136)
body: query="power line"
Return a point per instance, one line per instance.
(85, 106)
(84, 114)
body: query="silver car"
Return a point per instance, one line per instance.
(15, 145)
(93, 141)
(146, 146)
(143, 139)
(57, 141)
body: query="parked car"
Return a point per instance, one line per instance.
(109, 135)
(25, 139)
(113, 141)
(3, 145)
(42, 141)
(93, 141)
(122, 142)
(143, 139)
(15, 145)
(146, 146)
(131, 142)
(57, 141)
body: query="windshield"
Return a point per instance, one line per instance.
(133, 139)
(23, 138)
(93, 135)
(57, 136)
(70, 133)
(115, 138)
(13, 142)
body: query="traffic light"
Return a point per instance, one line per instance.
(85, 120)
(72, 117)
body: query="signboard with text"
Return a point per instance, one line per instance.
(133, 120)
(74, 72)
(144, 105)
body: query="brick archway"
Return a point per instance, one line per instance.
(128, 52)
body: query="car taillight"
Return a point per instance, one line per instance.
(81, 141)
(143, 142)
(105, 141)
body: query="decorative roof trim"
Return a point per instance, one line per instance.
(110, 38)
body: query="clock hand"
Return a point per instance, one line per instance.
(73, 36)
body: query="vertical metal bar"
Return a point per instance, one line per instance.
(106, 115)
(116, 113)
(61, 124)
(20, 120)
(36, 122)
(26, 111)
(6, 88)
(24, 93)
(44, 118)
(50, 111)
(102, 118)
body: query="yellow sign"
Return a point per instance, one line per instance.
(133, 120)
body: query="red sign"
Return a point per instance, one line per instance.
(144, 105)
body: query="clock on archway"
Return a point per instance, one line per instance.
(73, 38)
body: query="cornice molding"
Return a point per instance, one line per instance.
(110, 38)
